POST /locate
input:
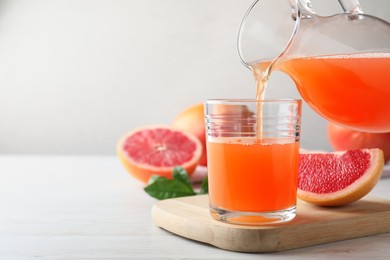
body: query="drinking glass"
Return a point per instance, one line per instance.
(252, 158)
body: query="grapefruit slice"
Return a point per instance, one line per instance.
(156, 150)
(338, 178)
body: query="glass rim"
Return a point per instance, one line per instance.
(251, 100)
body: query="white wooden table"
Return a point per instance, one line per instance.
(88, 207)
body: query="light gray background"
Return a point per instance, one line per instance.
(77, 74)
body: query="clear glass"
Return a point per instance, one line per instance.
(267, 29)
(338, 62)
(252, 158)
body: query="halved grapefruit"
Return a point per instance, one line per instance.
(338, 178)
(156, 150)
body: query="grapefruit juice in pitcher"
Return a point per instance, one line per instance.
(340, 64)
(350, 89)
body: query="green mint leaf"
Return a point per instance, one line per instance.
(155, 178)
(181, 174)
(205, 186)
(165, 189)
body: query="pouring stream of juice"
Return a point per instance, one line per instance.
(261, 72)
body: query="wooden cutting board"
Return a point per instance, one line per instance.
(189, 217)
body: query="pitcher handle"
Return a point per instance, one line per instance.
(351, 6)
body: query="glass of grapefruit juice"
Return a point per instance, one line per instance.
(252, 158)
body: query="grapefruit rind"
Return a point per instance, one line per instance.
(191, 120)
(143, 172)
(357, 190)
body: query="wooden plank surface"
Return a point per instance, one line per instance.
(88, 207)
(189, 217)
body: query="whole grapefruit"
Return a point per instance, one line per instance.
(338, 178)
(191, 120)
(156, 150)
(342, 139)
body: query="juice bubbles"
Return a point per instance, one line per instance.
(251, 175)
(352, 90)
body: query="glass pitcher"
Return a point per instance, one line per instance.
(340, 63)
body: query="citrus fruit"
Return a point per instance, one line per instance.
(191, 120)
(338, 178)
(156, 150)
(342, 139)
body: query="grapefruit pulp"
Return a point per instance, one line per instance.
(338, 178)
(156, 150)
